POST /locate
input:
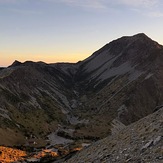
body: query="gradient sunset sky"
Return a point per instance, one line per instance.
(71, 30)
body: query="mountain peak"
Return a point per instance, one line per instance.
(137, 40)
(140, 35)
(136, 37)
(116, 86)
(15, 63)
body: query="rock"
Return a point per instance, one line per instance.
(155, 141)
(147, 145)
(159, 158)
(128, 160)
(148, 151)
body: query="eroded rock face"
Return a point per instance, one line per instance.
(123, 80)
(141, 141)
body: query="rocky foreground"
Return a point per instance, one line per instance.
(140, 142)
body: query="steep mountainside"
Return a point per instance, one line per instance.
(34, 98)
(141, 141)
(121, 80)
(80, 101)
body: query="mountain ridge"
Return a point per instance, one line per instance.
(121, 80)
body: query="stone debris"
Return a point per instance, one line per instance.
(147, 145)
(157, 140)
(140, 142)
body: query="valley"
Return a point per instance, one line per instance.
(63, 107)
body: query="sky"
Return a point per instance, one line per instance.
(71, 30)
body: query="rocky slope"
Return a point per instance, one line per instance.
(123, 80)
(141, 141)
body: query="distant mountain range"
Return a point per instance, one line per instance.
(120, 82)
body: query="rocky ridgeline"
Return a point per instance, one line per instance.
(121, 81)
(140, 142)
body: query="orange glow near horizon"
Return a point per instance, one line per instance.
(7, 59)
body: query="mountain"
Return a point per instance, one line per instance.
(81, 101)
(141, 141)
